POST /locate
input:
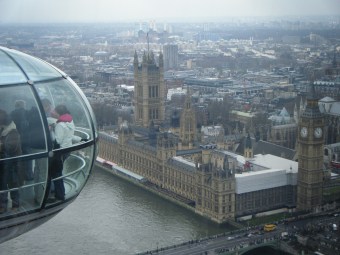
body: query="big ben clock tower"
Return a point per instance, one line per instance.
(310, 153)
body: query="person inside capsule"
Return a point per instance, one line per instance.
(10, 172)
(27, 146)
(28, 174)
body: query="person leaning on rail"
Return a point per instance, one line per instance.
(64, 136)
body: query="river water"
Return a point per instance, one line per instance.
(112, 216)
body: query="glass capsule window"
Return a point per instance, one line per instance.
(9, 71)
(59, 98)
(19, 111)
(35, 69)
(47, 137)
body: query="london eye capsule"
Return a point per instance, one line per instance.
(47, 142)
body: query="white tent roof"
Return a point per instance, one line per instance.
(269, 172)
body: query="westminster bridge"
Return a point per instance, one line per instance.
(245, 241)
(234, 242)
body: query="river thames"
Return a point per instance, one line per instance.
(112, 216)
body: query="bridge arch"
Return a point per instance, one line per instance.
(266, 248)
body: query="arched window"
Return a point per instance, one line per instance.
(326, 152)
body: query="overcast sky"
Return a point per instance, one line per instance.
(19, 11)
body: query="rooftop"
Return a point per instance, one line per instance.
(274, 162)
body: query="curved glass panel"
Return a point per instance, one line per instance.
(38, 184)
(88, 106)
(21, 127)
(9, 72)
(22, 191)
(69, 175)
(35, 69)
(33, 175)
(66, 113)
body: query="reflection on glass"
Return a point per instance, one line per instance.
(40, 179)
(32, 168)
(61, 93)
(9, 71)
(26, 191)
(75, 169)
(36, 69)
(22, 191)
(20, 114)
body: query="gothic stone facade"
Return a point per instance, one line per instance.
(310, 151)
(205, 177)
(205, 182)
(149, 90)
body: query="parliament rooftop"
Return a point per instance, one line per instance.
(28, 180)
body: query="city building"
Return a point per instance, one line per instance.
(170, 52)
(332, 157)
(310, 155)
(175, 91)
(188, 129)
(267, 185)
(213, 135)
(219, 184)
(149, 90)
(331, 110)
(283, 129)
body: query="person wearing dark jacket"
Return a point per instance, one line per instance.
(10, 172)
(20, 117)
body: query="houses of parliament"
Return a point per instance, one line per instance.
(218, 184)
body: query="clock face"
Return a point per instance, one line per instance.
(304, 132)
(318, 132)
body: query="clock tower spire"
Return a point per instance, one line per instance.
(310, 153)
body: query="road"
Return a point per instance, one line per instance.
(241, 239)
(216, 244)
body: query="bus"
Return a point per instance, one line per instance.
(269, 227)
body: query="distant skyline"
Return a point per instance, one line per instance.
(61, 11)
